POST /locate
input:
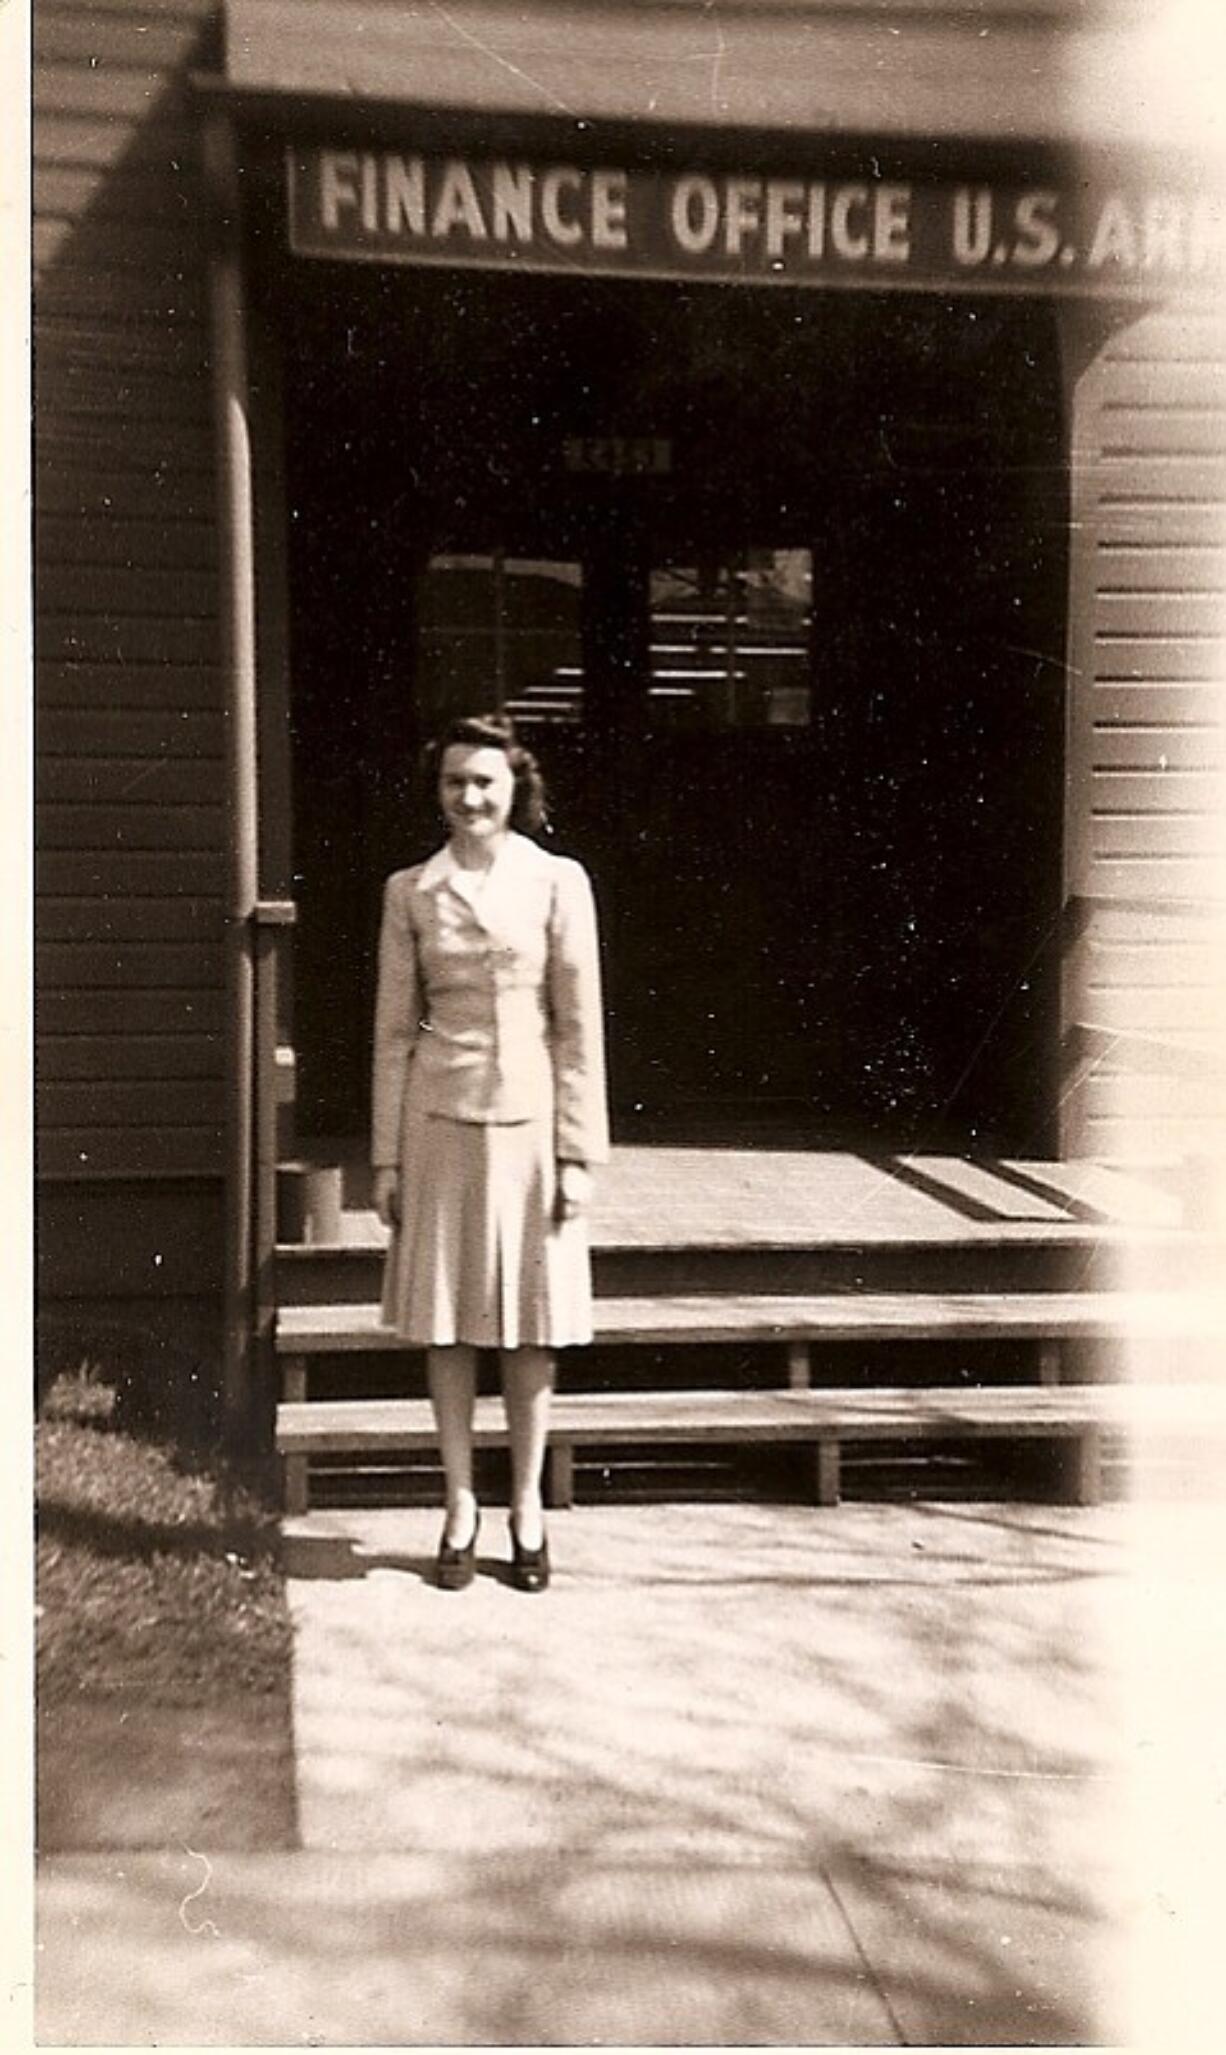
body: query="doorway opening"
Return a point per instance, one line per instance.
(774, 583)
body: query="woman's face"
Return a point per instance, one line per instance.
(476, 789)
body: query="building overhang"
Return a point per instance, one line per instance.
(1095, 75)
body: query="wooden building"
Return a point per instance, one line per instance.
(809, 418)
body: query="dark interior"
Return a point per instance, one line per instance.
(774, 582)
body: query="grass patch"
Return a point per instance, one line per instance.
(163, 1641)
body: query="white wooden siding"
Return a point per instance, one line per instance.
(1146, 829)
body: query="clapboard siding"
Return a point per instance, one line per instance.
(1171, 483)
(161, 247)
(101, 144)
(131, 346)
(130, 724)
(172, 1102)
(118, 1152)
(135, 825)
(140, 965)
(81, 392)
(122, 92)
(129, 638)
(124, 591)
(1200, 1100)
(1163, 432)
(163, 919)
(161, 780)
(149, 39)
(118, 446)
(1147, 653)
(168, 1012)
(110, 295)
(148, 494)
(134, 718)
(1147, 566)
(110, 192)
(135, 873)
(135, 541)
(1178, 524)
(99, 1059)
(1146, 750)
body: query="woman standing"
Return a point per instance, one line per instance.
(488, 1112)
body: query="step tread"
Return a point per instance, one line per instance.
(926, 1413)
(362, 1236)
(830, 1316)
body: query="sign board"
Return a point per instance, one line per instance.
(1102, 238)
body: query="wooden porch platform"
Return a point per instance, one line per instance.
(736, 1198)
(744, 1198)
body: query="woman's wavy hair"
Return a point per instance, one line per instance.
(529, 813)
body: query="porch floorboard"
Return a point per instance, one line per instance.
(675, 1198)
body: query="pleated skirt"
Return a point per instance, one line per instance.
(478, 1256)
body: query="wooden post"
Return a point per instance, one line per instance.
(1087, 1468)
(297, 1487)
(826, 1470)
(1049, 1361)
(296, 1473)
(561, 1474)
(800, 1369)
(273, 920)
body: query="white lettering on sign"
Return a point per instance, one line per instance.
(844, 239)
(756, 218)
(405, 196)
(412, 208)
(1114, 238)
(1038, 238)
(742, 200)
(785, 199)
(564, 229)
(396, 195)
(694, 231)
(338, 185)
(972, 225)
(892, 224)
(609, 210)
(1168, 233)
(512, 202)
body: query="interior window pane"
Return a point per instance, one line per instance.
(731, 641)
(542, 640)
(500, 631)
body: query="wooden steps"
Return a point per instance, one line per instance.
(1074, 1416)
(824, 1419)
(832, 1316)
(687, 1221)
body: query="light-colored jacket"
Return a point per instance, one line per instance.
(493, 1010)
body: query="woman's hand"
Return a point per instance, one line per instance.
(386, 1195)
(574, 1190)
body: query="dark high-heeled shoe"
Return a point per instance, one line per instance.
(529, 1566)
(455, 1568)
